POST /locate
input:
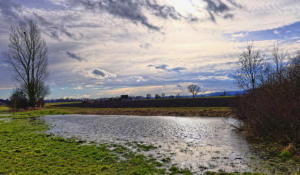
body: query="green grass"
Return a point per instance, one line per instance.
(78, 109)
(59, 103)
(174, 170)
(35, 113)
(144, 147)
(3, 109)
(171, 109)
(54, 109)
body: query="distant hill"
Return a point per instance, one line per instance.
(3, 101)
(62, 100)
(214, 94)
(226, 93)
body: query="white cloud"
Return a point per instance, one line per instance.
(239, 35)
(77, 96)
(78, 88)
(276, 32)
(7, 88)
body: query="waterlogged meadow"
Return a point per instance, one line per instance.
(25, 149)
(74, 144)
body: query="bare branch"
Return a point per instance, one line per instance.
(251, 65)
(194, 89)
(27, 56)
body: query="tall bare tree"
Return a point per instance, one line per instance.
(251, 65)
(27, 56)
(279, 59)
(294, 70)
(194, 89)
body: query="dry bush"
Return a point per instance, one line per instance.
(272, 111)
(18, 100)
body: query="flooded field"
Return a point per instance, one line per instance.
(5, 115)
(199, 144)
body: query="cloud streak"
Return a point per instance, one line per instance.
(99, 73)
(165, 67)
(102, 74)
(74, 56)
(131, 10)
(219, 7)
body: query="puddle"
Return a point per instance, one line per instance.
(5, 115)
(5, 119)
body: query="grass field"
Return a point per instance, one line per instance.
(179, 111)
(3, 109)
(55, 109)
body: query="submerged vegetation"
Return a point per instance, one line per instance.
(224, 173)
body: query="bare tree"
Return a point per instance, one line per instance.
(27, 56)
(194, 89)
(294, 70)
(279, 59)
(251, 64)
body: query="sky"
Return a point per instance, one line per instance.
(106, 48)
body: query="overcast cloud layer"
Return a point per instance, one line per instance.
(104, 48)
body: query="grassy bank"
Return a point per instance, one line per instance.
(181, 111)
(274, 158)
(55, 109)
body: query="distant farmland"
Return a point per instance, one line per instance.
(150, 103)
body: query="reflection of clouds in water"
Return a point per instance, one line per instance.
(191, 142)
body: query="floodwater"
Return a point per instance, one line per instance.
(5, 115)
(199, 144)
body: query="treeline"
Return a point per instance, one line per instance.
(271, 106)
(188, 102)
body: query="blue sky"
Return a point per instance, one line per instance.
(286, 33)
(104, 48)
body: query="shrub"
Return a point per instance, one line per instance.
(272, 112)
(272, 109)
(285, 155)
(40, 103)
(18, 100)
